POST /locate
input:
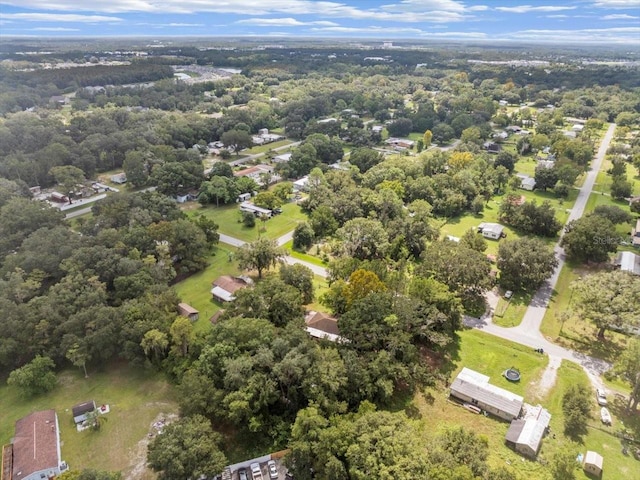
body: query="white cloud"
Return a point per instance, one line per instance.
(372, 29)
(619, 16)
(630, 4)
(531, 8)
(461, 35)
(55, 29)
(557, 16)
(182, 24)
(283, 22)
(448, 10)
(58, 17)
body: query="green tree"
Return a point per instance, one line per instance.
(323, 221)
(303, 160)
(283, 191)
(68, 177)
(35, 377)
(576, 409)
(260, 255)
(155, 344)
(621, 188)
(77, 354)
(365, 158)
(608, 299)
(458, 446)
(628, 367)
(364, 238)
(362, 283)
(473, 240)
(615, 214)
(589, 238)
(220, 189)
(426, 138)
(525, 263)
(300, 277)
(303, 236)
(563, 463)
(186, 449)
(135, 168)
(181, 333)
(267, 200)
(237, 140)
(95, 419)
(209, 227)
(248, 219)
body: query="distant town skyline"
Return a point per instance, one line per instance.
(602, 22)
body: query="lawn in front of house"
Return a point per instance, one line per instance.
(266, 147)
(229, 219)
(563, 325)
(136, 396)
(196, 289)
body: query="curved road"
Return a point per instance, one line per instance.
(316, 269)
(528, 332)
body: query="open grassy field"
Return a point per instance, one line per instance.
(229, 219)
(196, 289)
(266, 147)
(490, 355)
(136, 396)
(307, 257)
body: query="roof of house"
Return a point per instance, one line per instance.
(530, 430)
(476, 385)
(36, 444)
(496, 228)
(225, 286)
(528, 181)
(253, 170)
(628, 262)
(84, 407)
(285, 157)
(593, 458)
(322, 321)
(186, 309)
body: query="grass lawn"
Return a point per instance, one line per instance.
(303, 256)
(509, 313)
(196, 289)
(266, 147)
(563, 326)
(229, 219)
(136, 397)
(490, 355)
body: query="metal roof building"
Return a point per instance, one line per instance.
(473, 387)
(525, 435)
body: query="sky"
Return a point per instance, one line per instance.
(602, 22)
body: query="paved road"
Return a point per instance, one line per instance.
(528, 332)
(316, 269)
(77, 213)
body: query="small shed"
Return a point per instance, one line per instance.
(593, 463)
(81, 410)
(188, 311)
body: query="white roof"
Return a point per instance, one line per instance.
(528, 181)
(317, 333)
(285, 157)
(301, 182)
(476, 385)
(223, 294)
(629, 262)
(593, 458)
(496, 228)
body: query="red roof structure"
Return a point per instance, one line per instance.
(36, 445)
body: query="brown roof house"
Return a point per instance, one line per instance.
(225, 286)
(35, 451)
(186, 310)
(321, 325)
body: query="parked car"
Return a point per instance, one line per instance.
(601, 397)
(256, 471)
(605, 416)
(242, 474)
(273, 470)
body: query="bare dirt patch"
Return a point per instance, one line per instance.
(138, 469)
(549, 376)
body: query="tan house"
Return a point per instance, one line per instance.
(321, 325)
(226, 286)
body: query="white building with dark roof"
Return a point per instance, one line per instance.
(474, 388)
